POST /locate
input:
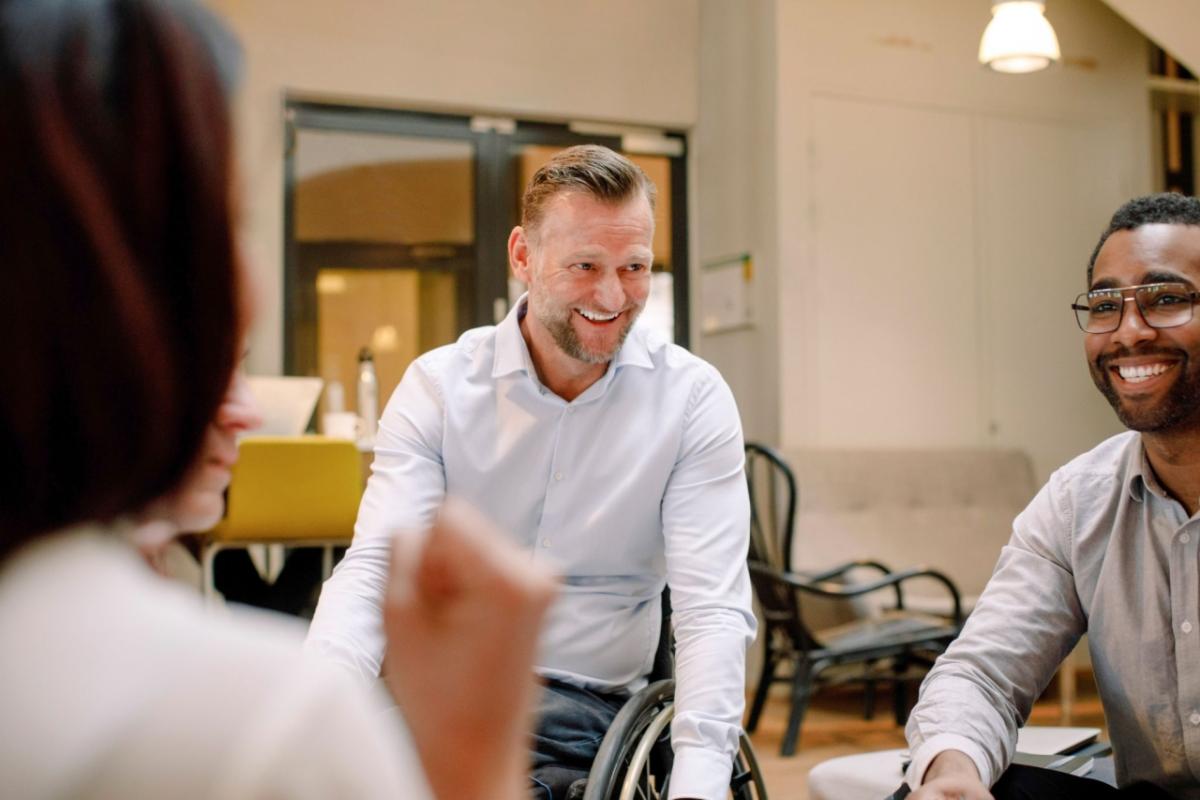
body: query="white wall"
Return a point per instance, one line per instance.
(612, 60)
(934, 220)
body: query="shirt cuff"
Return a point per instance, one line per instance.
(935, 745)
(700, 773)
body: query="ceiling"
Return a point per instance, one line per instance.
(1173, 24)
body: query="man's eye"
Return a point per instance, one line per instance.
(585, 267)
(636, 268)
(1168, 299)
(1104, 307)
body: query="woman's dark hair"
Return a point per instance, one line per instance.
(119, 291)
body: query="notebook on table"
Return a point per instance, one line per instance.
(1072, 750)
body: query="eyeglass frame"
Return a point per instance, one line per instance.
(1192, 295)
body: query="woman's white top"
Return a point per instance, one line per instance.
(115, 682)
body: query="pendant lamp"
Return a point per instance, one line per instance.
(1019, 37)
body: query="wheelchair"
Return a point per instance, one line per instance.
(635, 758)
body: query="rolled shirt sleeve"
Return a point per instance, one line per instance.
(1026, 622)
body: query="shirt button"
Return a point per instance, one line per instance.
(1185, 537)
(558, 476)
(545, 542)
(570, 409)
(1194, 718)
(1186, 627)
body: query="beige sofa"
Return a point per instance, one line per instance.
(951, 510)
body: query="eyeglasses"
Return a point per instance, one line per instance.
(1162, 305)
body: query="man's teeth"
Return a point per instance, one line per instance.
(596, 316)
(1141, 373)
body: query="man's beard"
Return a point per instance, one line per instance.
(567, 339)
(1180, 407)
(564, 333)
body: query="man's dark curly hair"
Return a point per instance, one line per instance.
(1167, 208)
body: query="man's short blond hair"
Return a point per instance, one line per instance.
(592, 169)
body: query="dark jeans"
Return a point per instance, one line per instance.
(571, 724)
(1033, 783)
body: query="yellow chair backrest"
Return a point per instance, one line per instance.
(289, 488)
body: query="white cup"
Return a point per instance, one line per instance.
(342, 425)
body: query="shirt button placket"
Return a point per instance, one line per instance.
(1183, 590)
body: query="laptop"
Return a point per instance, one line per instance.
(286, 403)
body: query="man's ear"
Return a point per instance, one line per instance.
(518, 255)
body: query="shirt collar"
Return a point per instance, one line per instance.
(1140, 475)
(512, 353)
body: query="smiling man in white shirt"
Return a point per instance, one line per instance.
(611, 454)
(1109, 547)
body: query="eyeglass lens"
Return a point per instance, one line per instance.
(1162, 305)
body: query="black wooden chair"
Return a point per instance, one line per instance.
(885, 645)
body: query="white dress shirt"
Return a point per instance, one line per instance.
(636, 481)
(115, 682)
(1102, 550)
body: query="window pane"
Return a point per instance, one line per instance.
(384, 233)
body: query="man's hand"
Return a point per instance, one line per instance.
(951, 775)
(462, 616)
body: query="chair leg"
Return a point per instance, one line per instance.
(801, 689)
(869, 700)
(326, 562)
(765, 679)
(900, 695)
(208, 553)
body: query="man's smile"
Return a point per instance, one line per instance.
(598, 317)
(1143, 372)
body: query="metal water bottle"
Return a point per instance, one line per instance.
(368, 393)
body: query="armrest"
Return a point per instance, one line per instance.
(827, 589)
(842, 569)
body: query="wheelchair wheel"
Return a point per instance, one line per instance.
(634, 761)
(638, 732)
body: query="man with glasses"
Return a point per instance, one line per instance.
(1109, 547)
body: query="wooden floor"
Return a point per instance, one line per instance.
(834, 727)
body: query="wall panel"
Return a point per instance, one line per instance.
(893, 292)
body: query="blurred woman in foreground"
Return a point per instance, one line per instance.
(122, 308)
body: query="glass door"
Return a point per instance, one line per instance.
(396, 229)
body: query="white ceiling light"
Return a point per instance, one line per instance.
(1019, 38)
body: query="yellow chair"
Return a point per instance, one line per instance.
(298, 491)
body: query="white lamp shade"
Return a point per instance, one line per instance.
(1019, 38)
